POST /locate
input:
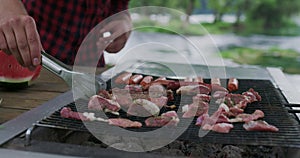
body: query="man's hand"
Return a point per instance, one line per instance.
(119, 29)
(18, 34)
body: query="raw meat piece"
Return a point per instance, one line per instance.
(160, 102)
(67, 112)
(169, 118)
(236, 98)
(123, 97)
(125, 123)
(219, 94)
(215, 81)
(135, 79)
(215, 87)
(195, 109)
(97, 102)
(146, 81)
(219, 127)
(200, 119)
(223, 119)
(260, 126)
(193, 89)
(104, 94)
(134, 88)
(201, 97)
(143, 108)
(248, 117)
(123, 78)
(233, 84)
(252, 95)
(234, 111)
(156, 91)
(215, 116)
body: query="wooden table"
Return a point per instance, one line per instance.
(46, 87)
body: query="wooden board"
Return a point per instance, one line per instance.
(45, 88)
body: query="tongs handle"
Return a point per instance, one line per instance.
(49, 64)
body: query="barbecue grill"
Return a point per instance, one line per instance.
(276, 103)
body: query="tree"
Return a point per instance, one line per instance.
(220, 7)
(272, 13)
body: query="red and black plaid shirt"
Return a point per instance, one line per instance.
(63, 24)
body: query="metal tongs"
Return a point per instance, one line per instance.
(85, 85)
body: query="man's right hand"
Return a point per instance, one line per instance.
(19, 37)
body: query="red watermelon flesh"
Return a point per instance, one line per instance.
(12, 72)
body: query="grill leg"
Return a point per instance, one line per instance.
(28, 136)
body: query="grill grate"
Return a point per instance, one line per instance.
(272, 105)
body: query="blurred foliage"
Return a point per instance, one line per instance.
(271, 17)
(173, 27)
(288, 59)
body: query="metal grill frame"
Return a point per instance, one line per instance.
(272, 105)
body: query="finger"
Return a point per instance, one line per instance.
(3, 44)
(12, 44)
(117, 44)
(6, 51)
(33, 40)
(22, 44)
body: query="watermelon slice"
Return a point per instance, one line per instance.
(13, 75)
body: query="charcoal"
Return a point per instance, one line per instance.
(230, 151)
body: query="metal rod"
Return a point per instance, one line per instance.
(28, 136)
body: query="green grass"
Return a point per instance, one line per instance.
(176, 26)
(288, 59)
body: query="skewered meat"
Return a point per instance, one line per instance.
(219, 127)
(125, 123)
(233, 84)
(169, 118)
(146, 82)
(193, 89)
(248, 117)
(135, 79)
(123, 78)
(67, 112)
(143, 108)
(260, 126)
(97, 102)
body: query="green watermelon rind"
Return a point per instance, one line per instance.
(13, 80)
